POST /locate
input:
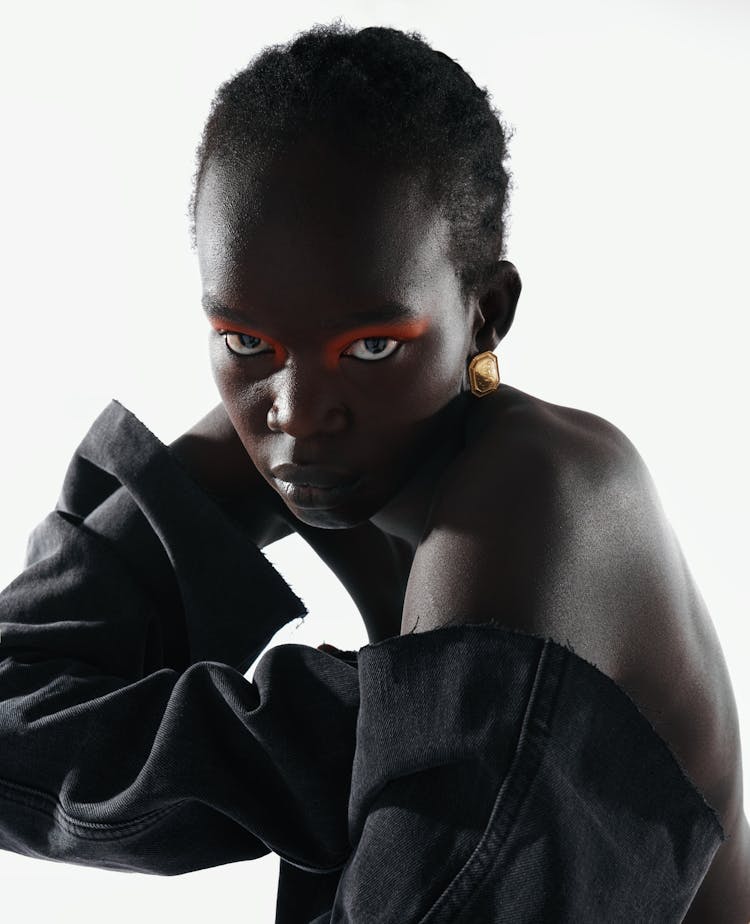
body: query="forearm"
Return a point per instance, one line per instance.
(129, 738)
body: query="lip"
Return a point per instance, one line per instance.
(310, 497)
(314, 476)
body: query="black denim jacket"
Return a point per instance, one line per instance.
(466, 774)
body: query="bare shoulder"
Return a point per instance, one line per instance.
(572, 437)
(540, 507)
(549, 522)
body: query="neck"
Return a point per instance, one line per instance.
(405, 516)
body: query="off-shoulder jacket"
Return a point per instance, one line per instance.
(466, 774)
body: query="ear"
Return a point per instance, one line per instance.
(497, 306)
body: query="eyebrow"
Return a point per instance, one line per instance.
(387, 312)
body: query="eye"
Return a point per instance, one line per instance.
(373, 348)
(244, 344)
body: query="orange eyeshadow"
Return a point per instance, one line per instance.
(406, 330)
(234, 328)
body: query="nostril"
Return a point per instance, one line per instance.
(272, 418)
(317, 416)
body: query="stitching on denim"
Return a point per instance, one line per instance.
(513, 791)
(47, 804)
(306, 868)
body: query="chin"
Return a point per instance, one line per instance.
(332, 518)
(353, 511)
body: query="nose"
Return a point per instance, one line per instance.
(306, 404)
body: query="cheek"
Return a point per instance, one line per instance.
(246, 402)
(433, 377)
(231, 377)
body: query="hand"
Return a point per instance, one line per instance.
(213, 455)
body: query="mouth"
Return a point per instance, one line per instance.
(316, 497)
(313, 486)
(315, 476)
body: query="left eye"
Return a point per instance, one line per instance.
(244, 344)
(369, 348)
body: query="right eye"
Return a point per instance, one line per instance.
(244, 344)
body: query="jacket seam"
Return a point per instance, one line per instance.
(50, 806)
(512, 792)
(47, 804)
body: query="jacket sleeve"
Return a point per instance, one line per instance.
(129, 737)
(499, 777)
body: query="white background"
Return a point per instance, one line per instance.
(629, 228)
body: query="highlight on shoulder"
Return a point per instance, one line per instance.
(582, 450)
(530, 520)
(510, 411)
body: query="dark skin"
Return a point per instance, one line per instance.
(504, 508)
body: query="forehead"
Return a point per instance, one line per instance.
(315, 229)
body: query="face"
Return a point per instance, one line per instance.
(338, 338)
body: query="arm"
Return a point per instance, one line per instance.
(498, 774)
(499, 777)
(489, 550)
(129, 737)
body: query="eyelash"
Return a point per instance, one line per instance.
(226, 333)
(229, 333)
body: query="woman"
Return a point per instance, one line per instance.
(523, 593)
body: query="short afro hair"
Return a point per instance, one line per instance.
(389, 95)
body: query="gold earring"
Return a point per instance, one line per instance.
(484, 375)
